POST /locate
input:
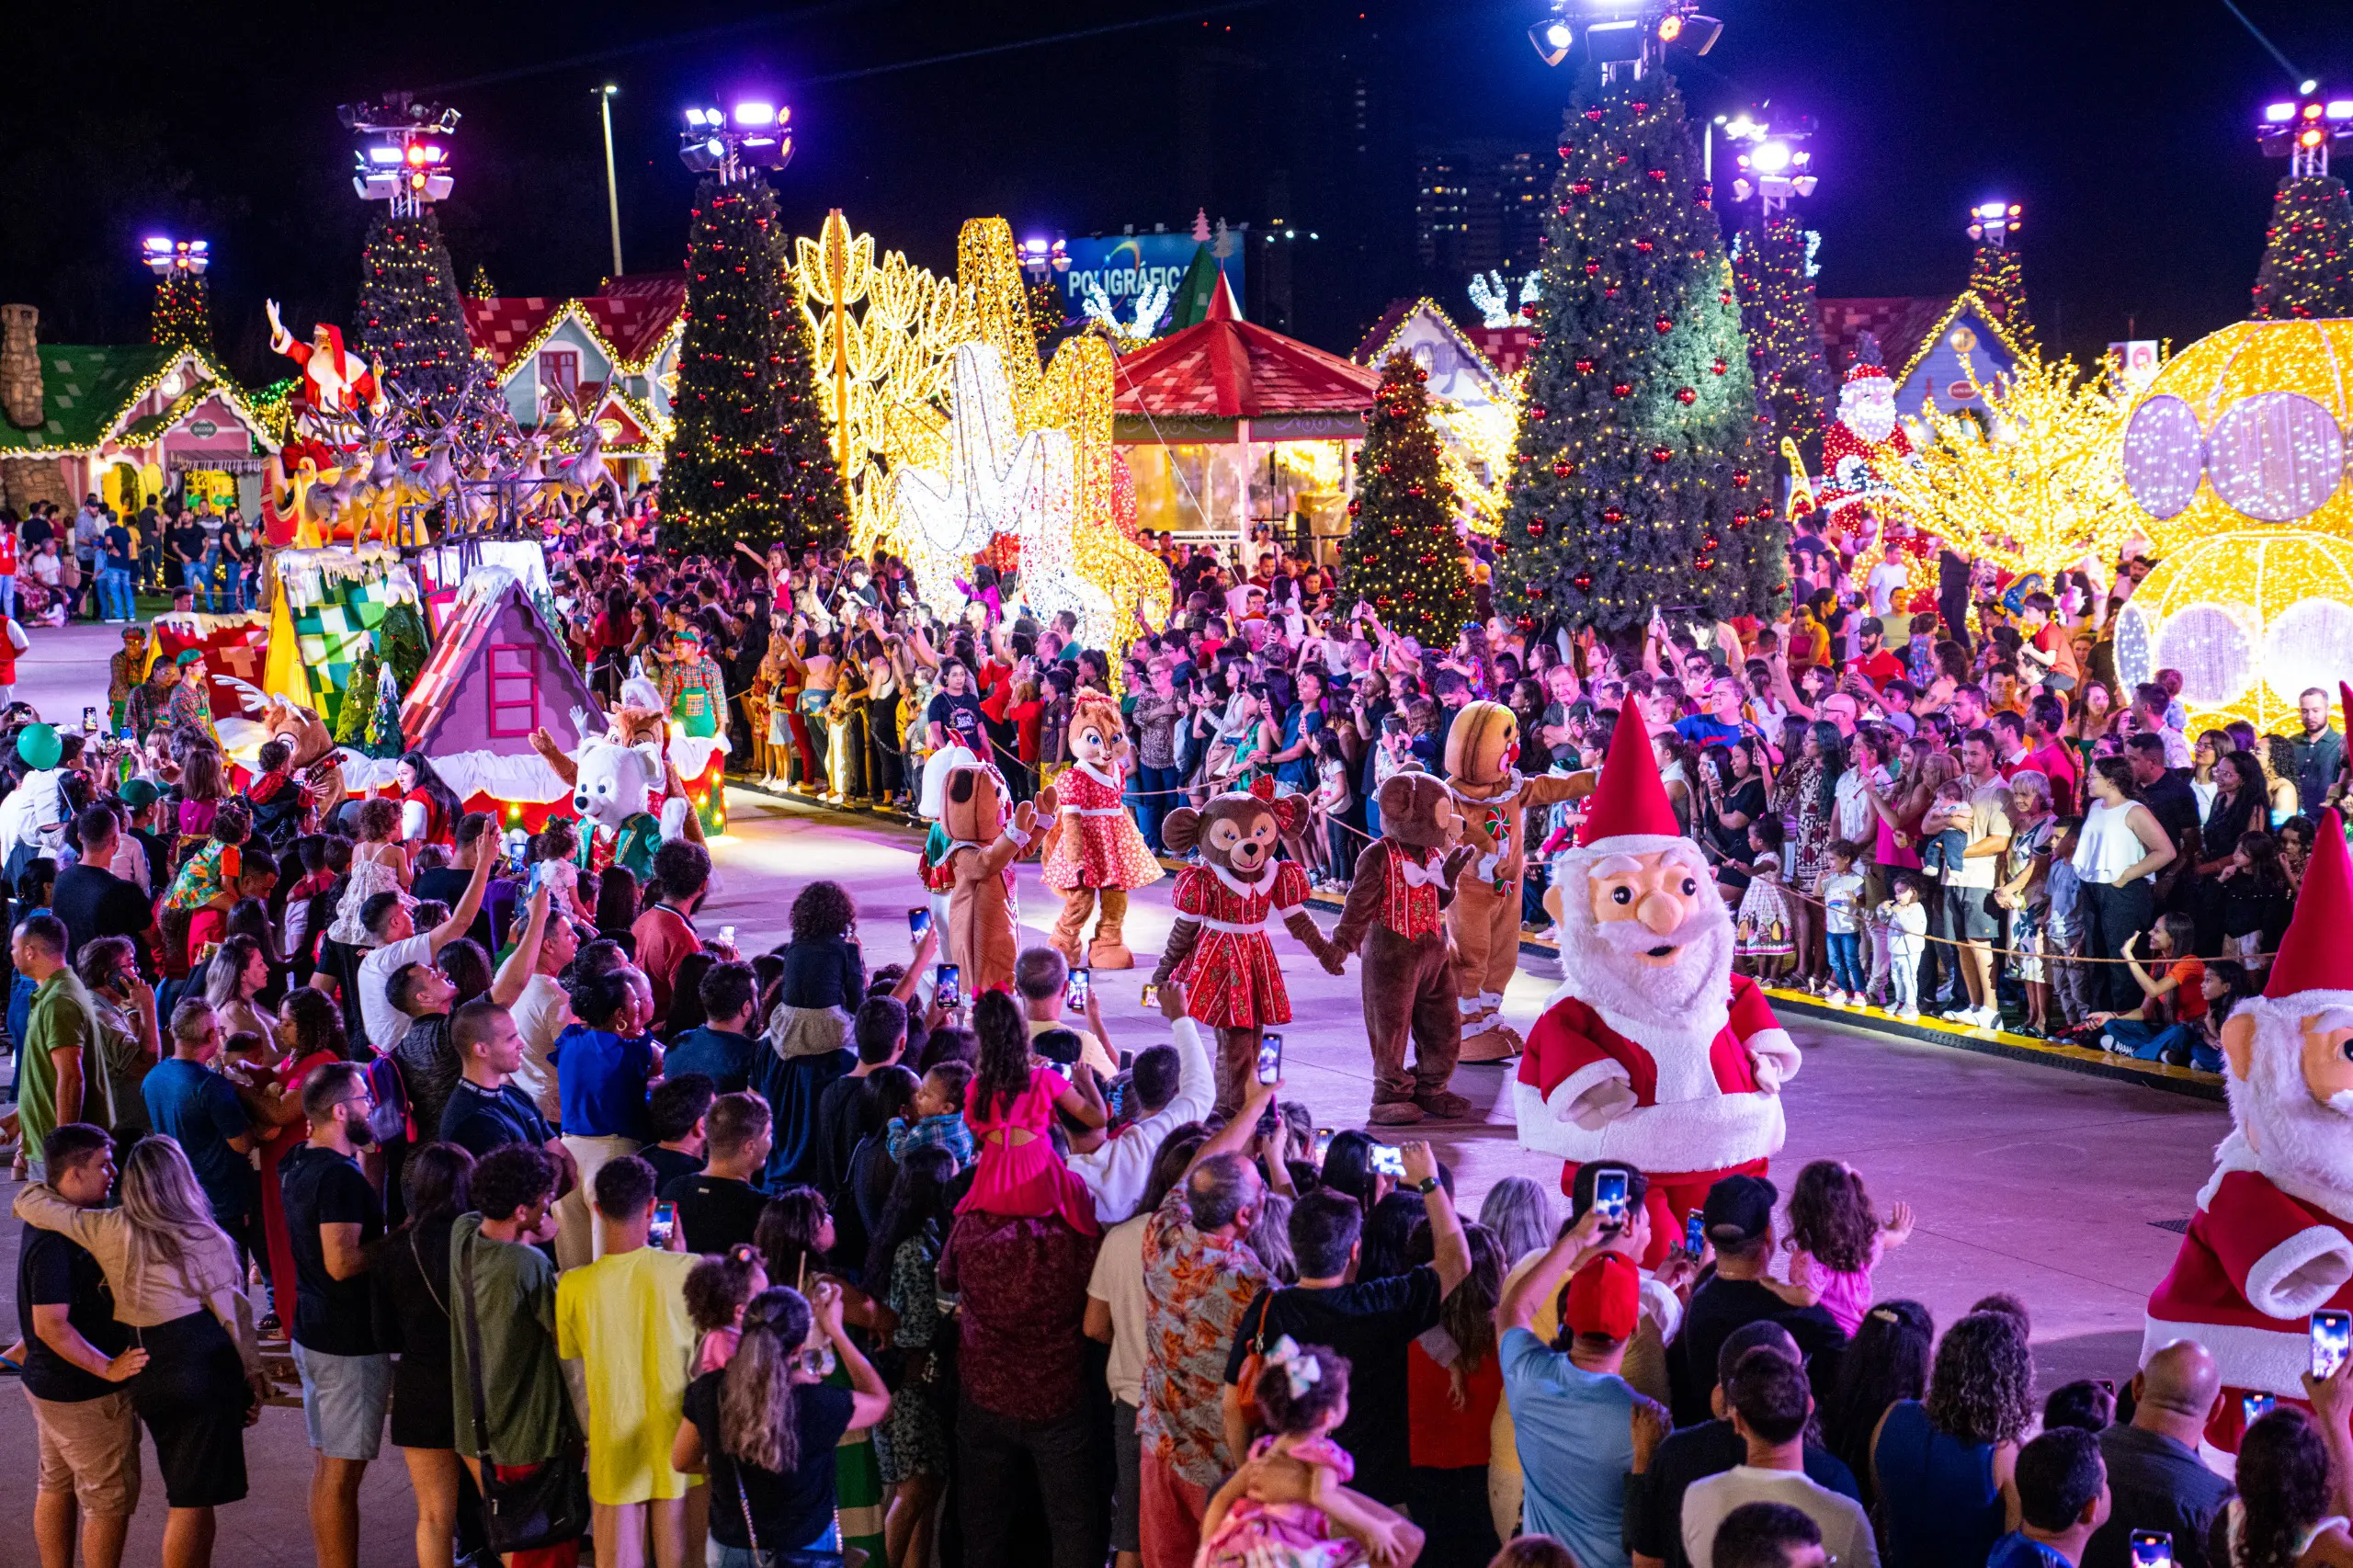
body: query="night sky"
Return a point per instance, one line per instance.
(2127, 132)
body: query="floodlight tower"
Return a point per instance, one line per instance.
(1628, 37)
(1774, 162)
(404, 154)
(1992, 223)
(736, 146)
(2301, 129)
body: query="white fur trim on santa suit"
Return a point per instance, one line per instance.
(1776, 1057)
(1681, 1135)
(1631, 843)
(2301, 1274)
(2271, 1360)
(693, 753)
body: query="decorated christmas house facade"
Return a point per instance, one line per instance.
(130, 422)
(1924, 341)
(614, 354)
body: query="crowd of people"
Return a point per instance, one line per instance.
(625, 1237)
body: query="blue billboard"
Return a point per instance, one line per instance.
(1126, 264)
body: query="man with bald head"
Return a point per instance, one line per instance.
(2154, 1471)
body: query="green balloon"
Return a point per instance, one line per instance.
(37, 744)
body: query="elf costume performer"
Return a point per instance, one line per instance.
(2272, 1240)
(1094, 846)
(1493, 799)
(1652, 1051)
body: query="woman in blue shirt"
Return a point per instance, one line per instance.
(1938, 1466)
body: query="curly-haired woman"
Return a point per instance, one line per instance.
(1940, 1466)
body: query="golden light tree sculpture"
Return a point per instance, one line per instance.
(2035, 484)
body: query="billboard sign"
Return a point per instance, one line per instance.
(2133, 363)
(1126, 264)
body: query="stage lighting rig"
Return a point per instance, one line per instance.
(403, 153)
(1630, 35)
(755, 134)
(1773, 160)
(164, 257)
(1992, 223)
(2301, 131)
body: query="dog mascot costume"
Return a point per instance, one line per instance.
(1482, 751)
(1652, 1051)
(1094, 847)
(2272, 1240)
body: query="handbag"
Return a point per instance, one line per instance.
(543, 1505)
(1255, 1363)
(775, 1556)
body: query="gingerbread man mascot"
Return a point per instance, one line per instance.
(1652, 1051)
(1482, 749)
(1094, 848)
(2272, 1240)
(1219, 947)
(1403, 883)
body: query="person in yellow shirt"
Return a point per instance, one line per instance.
(628, 1346)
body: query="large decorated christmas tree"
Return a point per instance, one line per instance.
(750, 458)
(410, 317)
(1773, 263)
(1640, 481)
(2307, 252)
(1402, 553)
(1997, 277)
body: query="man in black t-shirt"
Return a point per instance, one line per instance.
(487, 1110)
(77, 1359)
(90, 899)
(1369, 1322)
(332, 1216)
(1739, 1219)
(719, 1205)
(184, 552)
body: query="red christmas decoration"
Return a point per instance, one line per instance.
(1740, 477)
(1664, 324)
(1662, 454)
(1563, 468)
(1583, 582)
(1686, 395)
(1538, 412)
(1621, 389)
(1583, 366)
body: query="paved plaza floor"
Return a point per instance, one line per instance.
(2050, 1185)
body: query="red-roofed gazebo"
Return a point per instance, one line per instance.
(1202, 400)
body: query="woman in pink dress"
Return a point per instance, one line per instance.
(1302, 1394)
(1010, 1108)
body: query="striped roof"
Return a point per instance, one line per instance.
(629, 321)
(1226, 367)
(504, 327)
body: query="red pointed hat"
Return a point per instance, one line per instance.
(1628, 804)
(2314, 954)
(2345, 700)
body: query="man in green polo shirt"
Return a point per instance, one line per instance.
(58, 1026)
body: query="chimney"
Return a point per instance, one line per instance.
(21, 397)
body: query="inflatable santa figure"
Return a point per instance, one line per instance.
(1652, 1051)
(2272, 1240)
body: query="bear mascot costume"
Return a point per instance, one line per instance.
(2272, 1240)
(983, 919)
(628, 796)
(1094, 847)
(1652, 1051)
(1396, 913)
(1218, 950)
(1482, 749)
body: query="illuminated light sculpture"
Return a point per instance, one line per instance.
(2039, 491)
(997, 481)
(2234, 458)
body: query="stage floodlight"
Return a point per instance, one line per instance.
(1611, 42)
(755, 114)
(2340, 108)
(1773, 157)
(1670, 28)
(1552, 39)
(2279, 114)
(1699, 33)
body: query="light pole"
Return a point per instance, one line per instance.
(613, 188)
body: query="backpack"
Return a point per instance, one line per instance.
(388, 1116)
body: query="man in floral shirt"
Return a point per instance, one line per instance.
(1198, 1278)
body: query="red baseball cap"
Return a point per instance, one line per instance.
(1605, 1298)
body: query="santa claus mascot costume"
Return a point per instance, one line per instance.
(1652, 1051)
(2272, 1240)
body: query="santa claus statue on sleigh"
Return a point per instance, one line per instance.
(1862, 447)
(2272, 1240)
(1652, 1051)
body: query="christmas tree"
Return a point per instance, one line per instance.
(183, 314)
(2307, 252)
(1996, 278)
(1402, 553)
(1774, 266)
(358, 700)
(410, 317)
(1640, 481)
(750, 456)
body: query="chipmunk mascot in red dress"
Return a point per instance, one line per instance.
(2272, 1240)
(1094, 847)
(1652, 1051)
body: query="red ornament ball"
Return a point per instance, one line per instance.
(1613, 515)
(1536, 527)
(1591, 268)
(1686, 395)
(1536, 411)
(1583, 366)
(1621, 389)
(1662, 454)
(1594, 115)
(1583, 579)
(1562, 467)
(1719, 367)
(1740, 477)
(1664, 324)
(1567, 152)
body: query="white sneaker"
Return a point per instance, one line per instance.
(2107, 1042)
(1909, 1015)
(1834, 997)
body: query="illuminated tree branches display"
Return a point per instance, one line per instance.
(2044, 487)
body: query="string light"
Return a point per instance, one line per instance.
(1998, 280)
(749, 456)
(2307, 271)
(411, 320)
(2250, 619)
(2043, 488)
(1598, 532)
(1401, 552)
(1773, 267)
(2240, 427)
